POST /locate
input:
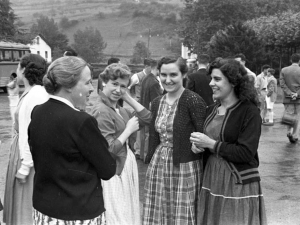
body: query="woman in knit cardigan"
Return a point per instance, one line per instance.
(231, 191)
(173, 178)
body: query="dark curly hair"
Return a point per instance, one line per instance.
(236, 75)
(35, 68)
(183, 68)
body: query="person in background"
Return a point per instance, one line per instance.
(150, 89)
(290, 83)
(242, 59)
(20, 171)
(231, 192)
(173, 178)
(261, 88)
(69, 152)
(271, 96)
(117, 124)
(70, 52)
(192, 68)
(100, 82)
(13, 95)
(198, 82)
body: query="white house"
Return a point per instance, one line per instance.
(186, 53)
(40, 46)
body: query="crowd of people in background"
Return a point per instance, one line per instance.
(196, 122)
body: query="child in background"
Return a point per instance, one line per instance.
(13, 95)
(271, 96)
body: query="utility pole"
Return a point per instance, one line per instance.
(149, 35)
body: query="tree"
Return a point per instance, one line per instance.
(49, 29)
(7, 19)
(203, 18)
(89, 44)
(140, 52)
(238, 38)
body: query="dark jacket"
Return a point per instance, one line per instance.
(238, 140)
(150, 89)
(199, 83)
(189, 117)
(70, 157)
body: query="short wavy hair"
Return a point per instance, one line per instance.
(35, 68)
(180, 62)
(115, 71)
(63, 72)
(237, 76)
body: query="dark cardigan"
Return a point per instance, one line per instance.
(238, 140)
(189, 117)
(70, 157)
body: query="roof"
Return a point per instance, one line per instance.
(44, 39)
(13, 45)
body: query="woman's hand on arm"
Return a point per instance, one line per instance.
(202, 141)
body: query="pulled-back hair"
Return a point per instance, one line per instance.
(236, 75)
(115, 71)
(180, 62)
(35, 68)
(63, 72)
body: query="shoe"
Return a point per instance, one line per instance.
(291, 138)
(268, 124)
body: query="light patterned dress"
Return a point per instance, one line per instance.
(171, 192)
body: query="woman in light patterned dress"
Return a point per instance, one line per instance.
(173, 178)
(117, 124)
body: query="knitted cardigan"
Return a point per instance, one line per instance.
(189, 117)
(238, 140)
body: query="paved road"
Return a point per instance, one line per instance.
(279, 167)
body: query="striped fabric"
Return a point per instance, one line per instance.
(171, 193)
(41, 219)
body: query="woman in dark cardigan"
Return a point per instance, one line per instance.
(69, 152)
(173, 178)
(231, 191)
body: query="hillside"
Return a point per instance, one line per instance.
(119, 28)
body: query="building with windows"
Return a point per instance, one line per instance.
(40, 46)
(186, 53)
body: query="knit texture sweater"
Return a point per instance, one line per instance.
(189, 117)
(238, 140)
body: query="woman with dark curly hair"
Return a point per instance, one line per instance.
(20, 171)
(173, 178)
(231, 191)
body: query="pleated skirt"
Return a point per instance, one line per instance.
(224, 202)
(171, 193)
(17, 197)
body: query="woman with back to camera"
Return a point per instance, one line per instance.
(121, 193)
(173, 178)
(20, 171)
(231, 191)
(69, 152)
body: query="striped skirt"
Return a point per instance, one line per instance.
(222, 201)
(42, 219)
(171, 193)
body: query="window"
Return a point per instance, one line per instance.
(38, 40)
(46, 54)
(38, 52)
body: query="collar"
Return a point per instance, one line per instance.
(104, 99)
(64, 100)
(202, 67)
(295, 64)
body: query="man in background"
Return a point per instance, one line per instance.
(198, 82)
(242, 59)
(261, 86)
(290, 84)
(150, 89)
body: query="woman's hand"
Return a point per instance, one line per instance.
(202, 141)
(196, 150)
(21, 178)
(125, 95)
(133, 124)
